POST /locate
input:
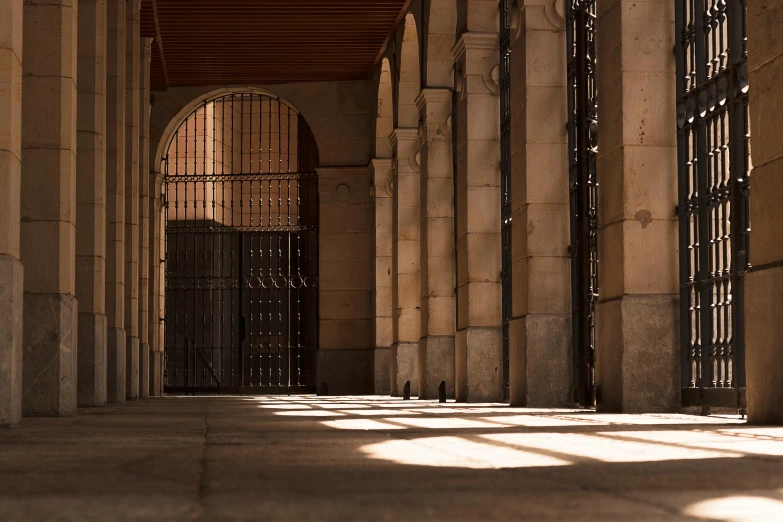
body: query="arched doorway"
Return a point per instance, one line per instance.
(241, 229)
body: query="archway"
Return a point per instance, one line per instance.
(409, 84)
(384, 122)
(241, 233)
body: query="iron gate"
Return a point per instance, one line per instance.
(505, 182)
(713, 164)
(241, 249)
(583, 185)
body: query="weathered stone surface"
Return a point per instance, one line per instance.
(404, 368)
(541, 361)
(91, 360)
(144, 375)
(91, 203)
(382, 371)
(49, 360)
(115, 365)
(436, 364)
(115, 188)
(345, 372)
(132, 354)
(479, 365)
(11, 305)
(638, 354)
(763, 357)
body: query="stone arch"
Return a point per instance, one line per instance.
(441, 25)
(409, 82)
(187, 110)
(384, 122)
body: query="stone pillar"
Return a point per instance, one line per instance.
(344, 360)
(540, 357)
(48, 208)
(91, 203)
(479, 345)
(438, 280)
(637, 325)
(132, 62)
(115, 201)
(144, 216)
(11, 276)
(381, 175)
(764, 284)
(406, 262)
(155, 273)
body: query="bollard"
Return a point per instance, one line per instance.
(442, 392)
(407, 391)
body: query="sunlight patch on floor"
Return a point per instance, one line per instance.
(457, 452)
(738, 508)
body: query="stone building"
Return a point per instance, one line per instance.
(567, 206)
(433, 198)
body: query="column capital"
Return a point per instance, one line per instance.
(377, 164)
(435, 114)
(406, 143)
(381, 173)
(434, 96)
(477, 56)
(475, 42)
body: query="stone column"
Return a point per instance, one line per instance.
(764, 284)
(345, 352)
(381, 175)
(155, 273)
(637, 325)
(479, 345)
(438, 280)
(132, 62)
(115, 201)
(91, 203)
(48, 208)
(144, 216)
(540, 357)
(406, 262)
(11, 276)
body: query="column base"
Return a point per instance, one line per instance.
(144, 374)
(382, 372)
(436, 364)
(637, 366)
(405, 368)
(49, 360)
(131, 368)
(11, 307)
(160, 372)
(91, 360)
(152, 381)
(541, 361)
(763, 339)
(345, 372)
(479, 364)
(115, 365)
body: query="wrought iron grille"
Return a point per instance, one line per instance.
(241, 249)
(505, 180)
(714, 167)
(583, 185)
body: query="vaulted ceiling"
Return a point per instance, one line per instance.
(206, 42)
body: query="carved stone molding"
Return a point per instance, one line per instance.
(546, 15)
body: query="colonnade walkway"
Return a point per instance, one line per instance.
(377, 459)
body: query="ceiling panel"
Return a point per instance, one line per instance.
(205, 42)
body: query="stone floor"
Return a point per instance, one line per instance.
(372, 458)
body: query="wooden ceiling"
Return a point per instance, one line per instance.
(207, 42)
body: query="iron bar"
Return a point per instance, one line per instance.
(241, 245)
